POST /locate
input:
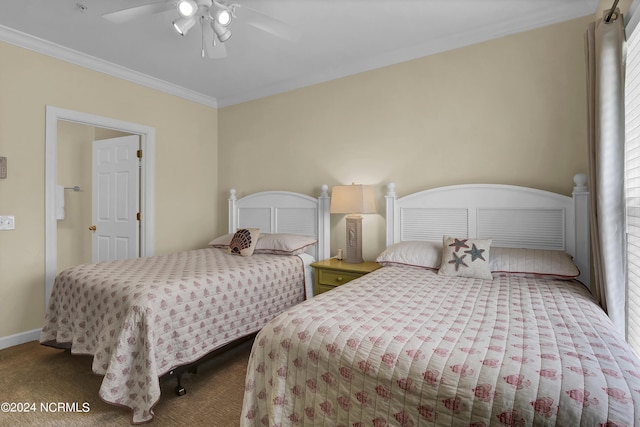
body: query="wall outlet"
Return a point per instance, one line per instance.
(7, 222)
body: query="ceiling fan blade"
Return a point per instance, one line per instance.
(267, 23)
(124, 15)
(214, 51)
(218, 51)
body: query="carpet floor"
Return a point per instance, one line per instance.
(34, 374)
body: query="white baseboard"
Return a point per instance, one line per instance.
(21, 338)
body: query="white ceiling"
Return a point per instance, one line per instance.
(336, 38)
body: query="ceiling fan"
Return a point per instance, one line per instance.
(214, 18)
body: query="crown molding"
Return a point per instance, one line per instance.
(45, 47)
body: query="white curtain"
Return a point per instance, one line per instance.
(605, 53)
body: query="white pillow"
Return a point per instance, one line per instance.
(533, 263)
(272, 243)
(222, 241)
(284, 244)
(465, 257)
(415, 253)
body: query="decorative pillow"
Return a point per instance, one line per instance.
(465, 257)
(415, 253)
(244, 241)
(538, 263)
(272, 243)
(283, 244)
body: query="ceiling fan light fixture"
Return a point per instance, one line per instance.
(223, 17)
(184, 24)
(222, 33)
(187, 8)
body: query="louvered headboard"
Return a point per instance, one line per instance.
(284, 212)
(513, 216)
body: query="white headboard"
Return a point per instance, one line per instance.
(512, 216)
(284, 212)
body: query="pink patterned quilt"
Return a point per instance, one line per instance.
(403, 346)
(142, 317)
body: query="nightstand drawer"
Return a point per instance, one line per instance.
(336, 278)
(331, 273)
(323, 288)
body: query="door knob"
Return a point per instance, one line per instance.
(92, 228)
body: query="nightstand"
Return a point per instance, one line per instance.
(330, 273)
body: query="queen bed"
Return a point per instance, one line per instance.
(431, 339)
(146, 317)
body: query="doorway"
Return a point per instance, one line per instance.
(54, 116)
(96, 166)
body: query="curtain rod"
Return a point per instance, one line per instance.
(611, 11)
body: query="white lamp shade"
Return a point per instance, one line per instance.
(184, 24)
(187, 8)
(223, 17)
(222, 33)
(353, 199)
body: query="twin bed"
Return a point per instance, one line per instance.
(429, 339)
(492, 325)
(146, 317)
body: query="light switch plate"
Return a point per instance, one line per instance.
(3, 167)
(7, 222)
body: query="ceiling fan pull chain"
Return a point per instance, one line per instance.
(202, 35)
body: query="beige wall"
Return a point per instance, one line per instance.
(511, 110)
(186, 166)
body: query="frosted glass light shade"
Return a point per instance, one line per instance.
(187, 8)
(184, 24)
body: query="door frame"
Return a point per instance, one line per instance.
(147, 181)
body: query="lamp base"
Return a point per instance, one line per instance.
(354, 239)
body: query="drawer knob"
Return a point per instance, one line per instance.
(339, 279)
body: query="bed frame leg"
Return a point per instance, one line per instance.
(180, 390)
(178, 372)
(192, 368)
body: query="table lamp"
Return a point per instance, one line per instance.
(353, 200)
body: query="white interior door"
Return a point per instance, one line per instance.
(115, 198)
